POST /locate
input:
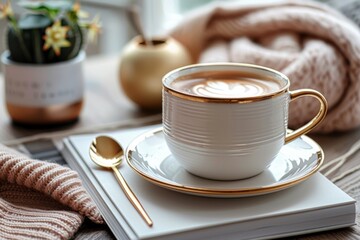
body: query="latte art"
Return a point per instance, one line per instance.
(232, 89)
(226, 88)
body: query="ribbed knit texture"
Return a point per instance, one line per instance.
(40, 200)
(314, 45)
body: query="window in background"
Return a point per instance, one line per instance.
(117, 24)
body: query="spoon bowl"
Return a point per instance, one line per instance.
(108, 153)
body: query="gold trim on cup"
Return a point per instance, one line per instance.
(168, 89)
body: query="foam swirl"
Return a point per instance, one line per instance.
(227, 88)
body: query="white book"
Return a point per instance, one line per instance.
(311, 206)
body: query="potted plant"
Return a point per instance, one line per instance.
(43, 64)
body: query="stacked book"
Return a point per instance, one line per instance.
(310, 205)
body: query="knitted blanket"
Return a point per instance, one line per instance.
(40, 200)
(314, 45)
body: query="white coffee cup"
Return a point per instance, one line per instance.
(228, 121)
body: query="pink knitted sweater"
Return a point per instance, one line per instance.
(40, 200)
(315, 46)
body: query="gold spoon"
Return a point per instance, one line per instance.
(107, 153)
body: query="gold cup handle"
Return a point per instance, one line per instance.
(313, 122)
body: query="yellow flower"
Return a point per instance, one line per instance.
(6, 10)
(94, 28)
(79, 13)
(55, 37)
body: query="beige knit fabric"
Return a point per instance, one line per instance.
(315, 46)
(40, 200)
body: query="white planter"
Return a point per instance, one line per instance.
(43, 93)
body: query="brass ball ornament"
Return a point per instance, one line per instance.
(143, 65)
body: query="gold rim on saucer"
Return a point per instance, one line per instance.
(213, 192)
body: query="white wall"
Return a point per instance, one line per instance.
(117, 28)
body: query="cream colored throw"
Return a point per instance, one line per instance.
(314, 45)
(40, 200)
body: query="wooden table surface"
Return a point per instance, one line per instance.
(105, 103)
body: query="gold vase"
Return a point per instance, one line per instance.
(142, 67)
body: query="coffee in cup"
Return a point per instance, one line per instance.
(231, 85)
(228, 121)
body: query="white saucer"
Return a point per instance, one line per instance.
(149, 156)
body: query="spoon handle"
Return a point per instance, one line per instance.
(132, 198)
